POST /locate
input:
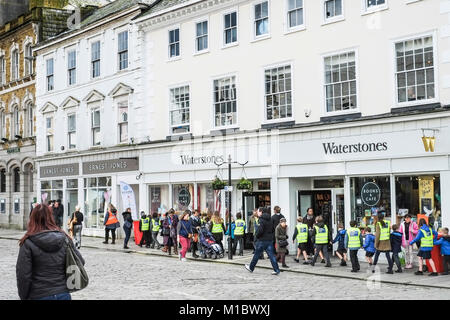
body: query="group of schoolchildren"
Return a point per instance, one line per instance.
(382, 241)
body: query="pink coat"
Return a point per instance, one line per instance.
(413, 230)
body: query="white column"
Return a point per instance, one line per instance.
(195, 197)
(445, 198)
(347, 202)
(170, 196)
(393, 200)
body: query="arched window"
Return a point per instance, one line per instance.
(2, 124)
(16, 129)
(28, 60)
(16, 173)
(2, 180)
(14, 65)
(30, 118)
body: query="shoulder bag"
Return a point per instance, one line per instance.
(76, 275)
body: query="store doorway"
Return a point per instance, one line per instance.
(251, 201)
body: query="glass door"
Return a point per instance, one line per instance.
(338, 210)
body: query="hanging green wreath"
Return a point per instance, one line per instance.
(244, 184)
(218, 184)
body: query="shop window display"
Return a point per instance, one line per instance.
(159, 199)
(419, 196)
(369, 195)
(51, 190)
(97, 195)
(183, 197)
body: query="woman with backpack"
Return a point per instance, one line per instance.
(41, 264)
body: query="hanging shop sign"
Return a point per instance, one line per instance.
(370, 194)
(71, 169)
(109, 166)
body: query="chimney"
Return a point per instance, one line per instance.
(11, 9)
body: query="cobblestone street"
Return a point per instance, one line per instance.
(118, 275)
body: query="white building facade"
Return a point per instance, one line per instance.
(330, 102)
(87, 113)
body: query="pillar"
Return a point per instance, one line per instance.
(445, 198)
(347, 202)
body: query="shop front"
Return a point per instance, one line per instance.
(355, 172)
(90, 185)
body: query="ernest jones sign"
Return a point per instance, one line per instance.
(71, 169)
(108, 166)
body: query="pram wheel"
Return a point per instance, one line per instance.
(222, 255)
(203, 256)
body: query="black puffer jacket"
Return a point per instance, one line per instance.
(40, 268)
(265, 230)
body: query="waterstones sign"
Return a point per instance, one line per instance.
(334, 148)
(189, 160)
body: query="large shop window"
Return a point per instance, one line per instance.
(183, 197)
(51, 190)
(97, 195)
(159, 199)
(369, 195)
(419, 196)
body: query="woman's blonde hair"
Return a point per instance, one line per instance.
(216, 218)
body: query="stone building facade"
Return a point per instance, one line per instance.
(18, 36)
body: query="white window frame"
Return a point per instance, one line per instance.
(334, 19)
(396, 104)
(196, 51)
(358, 108)
(16, 121)
(368, 10)
(73, 68)
(119, 122)
(231, 44)
(91, 43)
(47, 75)
(300, 27)
(27, 63)
(30, 109)
(49, 134)
(213, 115)
(176, 57)
(70, 133)
(99, 127)
(263, 76)
(118, 32)
(171, 126)
(266, 35)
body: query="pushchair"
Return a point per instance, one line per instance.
(208, 246)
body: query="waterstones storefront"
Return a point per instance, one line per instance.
(91, 185)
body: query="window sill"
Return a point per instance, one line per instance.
(174, 59)
(295, 29)
(341, 117)
(425, 105)
(223, 131)
(261, 38)
(230, 45)
(333, 20)
(287, 122)
(374, 10)
(199, 53)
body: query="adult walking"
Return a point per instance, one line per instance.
(281, 238)
(58, 213)
(239, 232)
(383, 242)
(196, 224)
(184, 230)
(409, 230)
(426, 236)
(127, 226)
(41, 264)
(218, 228)
(111, 223)
(173, 218)
(277, 216)
(264, 236)
(76, 223)
(309, 220)
(155, 227)
(251, 228)
(169, 226)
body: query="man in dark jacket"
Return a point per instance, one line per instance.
(58, 213)
(264, 242)
(195, 223)
(40, 268)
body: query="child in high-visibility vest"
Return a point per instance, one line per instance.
(301, 235)
(426, 237)
(353, 241)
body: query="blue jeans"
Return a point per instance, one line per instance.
(268, 247)
(127, 236)
(60, 296)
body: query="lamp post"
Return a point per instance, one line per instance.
(229, 162)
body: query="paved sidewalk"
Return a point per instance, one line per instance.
(406, 278)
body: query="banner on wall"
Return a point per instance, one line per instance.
(128, 199)
(426, 195)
